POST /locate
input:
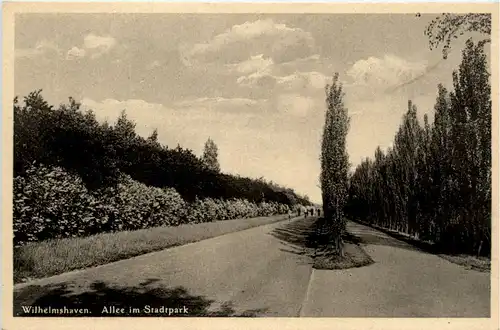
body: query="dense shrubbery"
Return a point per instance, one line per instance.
(133, 205)
(52, 203)
(216, 209)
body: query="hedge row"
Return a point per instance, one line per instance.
(210, 209)
(51, 203)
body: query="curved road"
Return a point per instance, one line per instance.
(403, 282)
(267, 271)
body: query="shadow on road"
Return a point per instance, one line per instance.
(101, 295)
(375, 236)
(304, 235)
(298, 236)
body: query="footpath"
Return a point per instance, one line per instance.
(403, 282)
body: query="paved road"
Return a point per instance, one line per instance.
(267, 271)
(403, 282)
(263, 271)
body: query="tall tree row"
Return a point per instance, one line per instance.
(435, 182)
(335, 163)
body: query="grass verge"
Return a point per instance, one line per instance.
(482, 264)
(52, 257)
(354, 255)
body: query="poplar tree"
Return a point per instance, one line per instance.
(210, 155)
(335, 163)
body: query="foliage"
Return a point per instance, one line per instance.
(51, 136)
(449, 26)
(435, 182)
(50, 203)
(335, 161)
(210, 156)
(133, 205)
(208, 210)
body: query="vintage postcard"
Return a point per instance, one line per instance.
(192, 166)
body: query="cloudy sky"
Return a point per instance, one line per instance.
(253, 83)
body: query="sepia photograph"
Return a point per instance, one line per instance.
(253, 164)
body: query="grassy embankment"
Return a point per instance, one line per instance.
(52, 257)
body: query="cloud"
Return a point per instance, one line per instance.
(262, 79)
(256, 63)
(153, 65)
(139, 110)
(296, 104)
(300, 80)
(203, 101)
(294, 63)
(93, 46)
(75, 52)
(42, 47)
(91, 41)
(220, 104)
(296, 81)
(98, 45)
(388, 71)
(273, 40)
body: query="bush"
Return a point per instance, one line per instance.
(209, 209)
(51, 203)
(133, 205)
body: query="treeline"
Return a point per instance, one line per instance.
(435, 181)
(100, 152)
(74, 177)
